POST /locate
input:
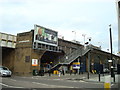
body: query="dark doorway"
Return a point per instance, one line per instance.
(8, 56)
(48, 59)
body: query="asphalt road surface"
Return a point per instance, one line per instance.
(34, 83)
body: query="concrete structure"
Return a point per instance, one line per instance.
(118, 12)
(8, 44)
(21, 58)
(7, 40)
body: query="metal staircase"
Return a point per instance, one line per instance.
(71, 57)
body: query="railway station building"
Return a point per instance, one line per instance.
(41, 49)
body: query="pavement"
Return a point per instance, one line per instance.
(84, 77)
(63, 81)
(102, 79)
(94, 78)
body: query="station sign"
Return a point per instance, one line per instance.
(76, 65)
(45, 36)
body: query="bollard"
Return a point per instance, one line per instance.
(103, 73)
(107, 82)
(114, 78)
(99, 76)
(118, 81)
(88, 75)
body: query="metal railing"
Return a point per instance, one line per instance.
(78, 53)
(72, 56)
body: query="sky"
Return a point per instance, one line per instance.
(89, 17)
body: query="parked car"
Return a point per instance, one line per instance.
(4, 71)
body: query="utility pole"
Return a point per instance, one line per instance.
(74, 35)
(0, 55)
(111, 56)
(99, 68)
(88, 65)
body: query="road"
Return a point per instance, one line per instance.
(46, 82)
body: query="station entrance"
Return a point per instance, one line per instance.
(49, 59)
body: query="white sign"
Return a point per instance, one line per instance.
(112, 67)
(109, 60)
(24, 41)
(76, 66)
(34, 62)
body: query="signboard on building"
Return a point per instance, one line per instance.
(76, 65)
(34, 62)
(45, 36)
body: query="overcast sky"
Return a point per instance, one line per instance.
(90, 17)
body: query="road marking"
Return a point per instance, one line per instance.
(52, 85)
(23, 77)
(57, 79)
(13, 79)
(77, 81)
(36, 83)
(10, 86)
(83, 81)
(10, 79)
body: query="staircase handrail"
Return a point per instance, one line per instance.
(72, 56)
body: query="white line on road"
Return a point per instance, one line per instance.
(52, 85)
(10, 86)
(10, 79)
(35, 83)
(13, 79)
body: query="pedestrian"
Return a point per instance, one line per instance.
(75, 71)
(71, 70)
(59, 73)
(49, 71)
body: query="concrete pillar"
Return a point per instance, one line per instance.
(0, 55)
(119, 82)
(118, 11)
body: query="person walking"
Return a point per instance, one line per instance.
(71, 68)
(49, 71)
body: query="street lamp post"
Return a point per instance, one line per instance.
(88, 65)
(99, 68)
(99, 43)
(111, 56)
(74, 35)
(84, 37)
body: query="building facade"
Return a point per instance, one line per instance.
(28, 56)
